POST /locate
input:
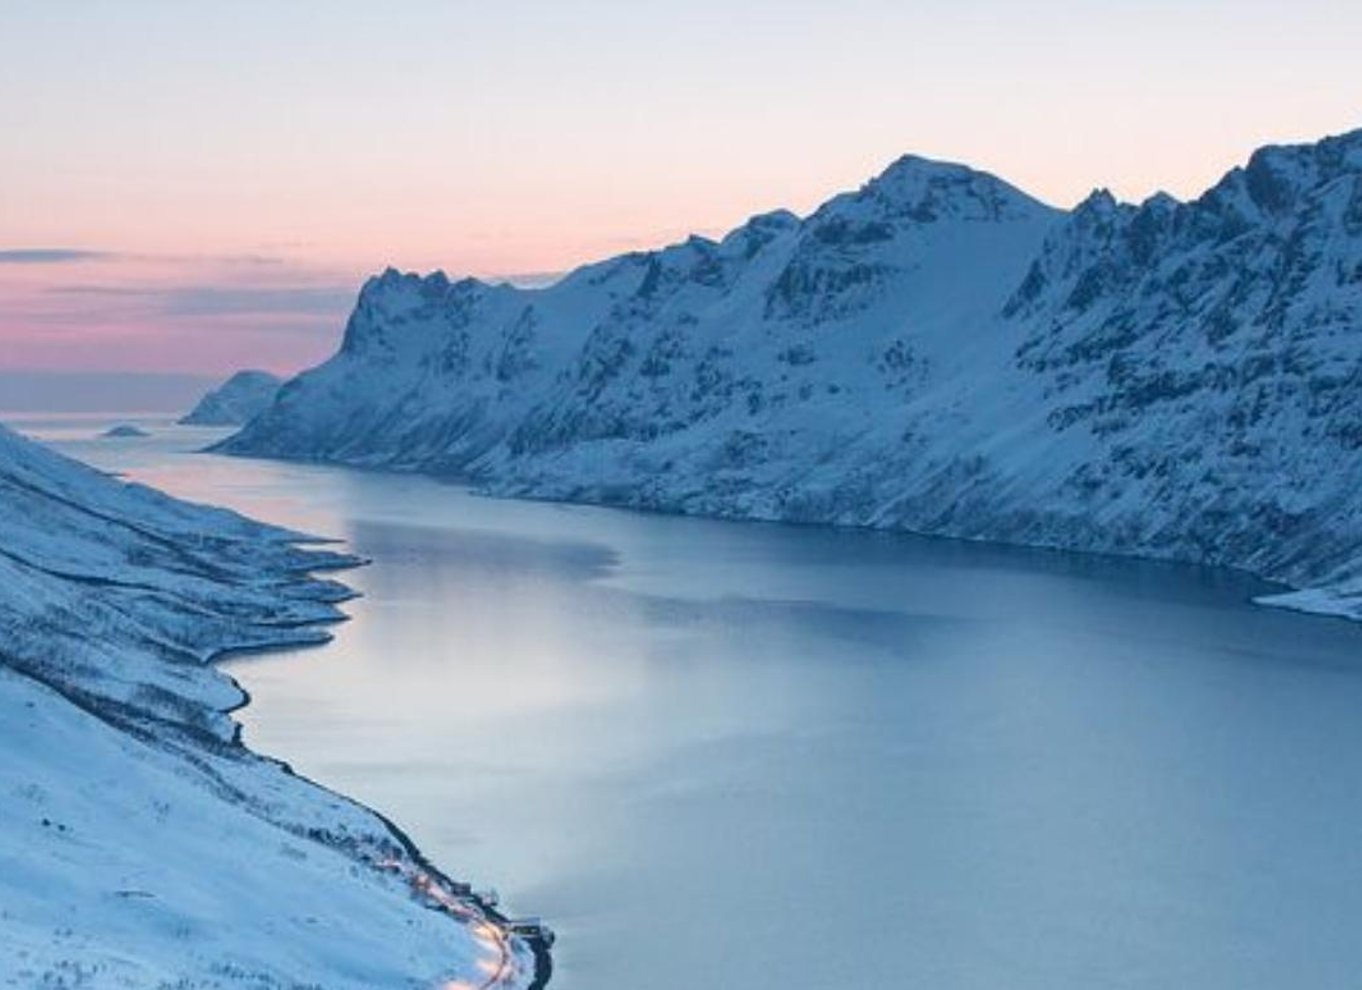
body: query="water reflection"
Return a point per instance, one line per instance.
(759, 756)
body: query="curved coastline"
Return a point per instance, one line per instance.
(488, 913)
(125, 770)
(1338, 600)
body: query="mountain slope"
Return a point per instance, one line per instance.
(1210, 356)
(235, 401)
(699, 338)
(141, 844)
(936, 351)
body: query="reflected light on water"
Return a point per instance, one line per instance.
(1015, 769)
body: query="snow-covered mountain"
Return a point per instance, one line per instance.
(235, 401)
(141, 845)
(937, 352)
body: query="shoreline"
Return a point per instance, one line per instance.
(126, 769)
(1341, 600)
(488, 913)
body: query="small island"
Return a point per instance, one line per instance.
(124, 431)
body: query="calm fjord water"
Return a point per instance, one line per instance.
(748, 756)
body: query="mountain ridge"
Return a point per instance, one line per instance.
(935, 351)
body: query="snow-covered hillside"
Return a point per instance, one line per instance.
(141, 844)
(936, 352)
(235, 401)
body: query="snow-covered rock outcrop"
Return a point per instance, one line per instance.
(236, 401)
(937, 352)
(141, 845)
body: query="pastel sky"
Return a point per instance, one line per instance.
(202, 186)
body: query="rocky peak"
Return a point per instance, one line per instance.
(921, 190)
(746, 241)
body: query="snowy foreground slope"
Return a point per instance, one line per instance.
(936, 352)
(235, 401)
(140, 844)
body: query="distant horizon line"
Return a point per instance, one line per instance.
(284, 314)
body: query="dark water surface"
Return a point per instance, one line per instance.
(722, 755)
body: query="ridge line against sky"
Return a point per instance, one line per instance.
(203, 187)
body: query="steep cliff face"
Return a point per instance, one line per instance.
(936, 351)
(1210, 353)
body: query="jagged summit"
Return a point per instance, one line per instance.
(923, 190)
(912, 190)
(1160, 202)
(1276, 177)
(432, 282)
(1100, 201)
